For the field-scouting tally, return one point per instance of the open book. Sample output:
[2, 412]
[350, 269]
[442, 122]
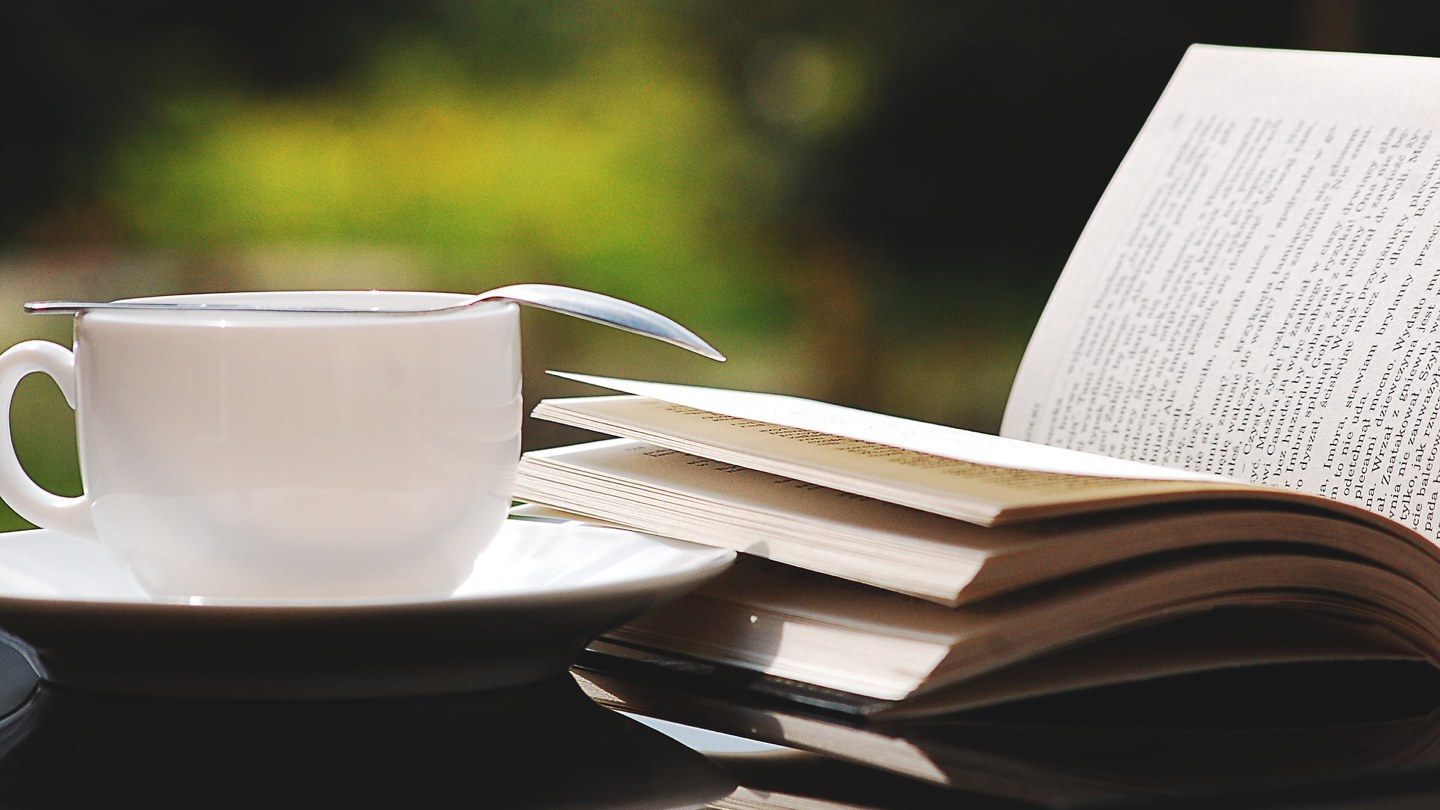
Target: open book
[881, 580]
[1221, 447]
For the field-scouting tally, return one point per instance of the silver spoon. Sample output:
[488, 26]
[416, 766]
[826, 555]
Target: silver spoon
[591, 306]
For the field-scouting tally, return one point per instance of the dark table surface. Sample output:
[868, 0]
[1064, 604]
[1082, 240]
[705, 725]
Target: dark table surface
[1304, 737]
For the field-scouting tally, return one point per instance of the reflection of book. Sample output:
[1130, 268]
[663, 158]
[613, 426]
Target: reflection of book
[1232, 401]
[1209, 735]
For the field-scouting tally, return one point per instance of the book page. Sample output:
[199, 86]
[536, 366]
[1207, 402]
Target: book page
[948, 484]
[764, 412]
[654, 489]
[1256, 294]
[674, 494]
[794, 623]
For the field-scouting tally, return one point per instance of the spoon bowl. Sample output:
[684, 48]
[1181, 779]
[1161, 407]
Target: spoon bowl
[591, 306]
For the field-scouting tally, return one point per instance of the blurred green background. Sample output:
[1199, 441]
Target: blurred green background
[865, 202]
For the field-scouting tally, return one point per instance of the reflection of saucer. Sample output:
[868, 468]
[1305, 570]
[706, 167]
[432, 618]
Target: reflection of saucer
[543, 745]
[539, 593]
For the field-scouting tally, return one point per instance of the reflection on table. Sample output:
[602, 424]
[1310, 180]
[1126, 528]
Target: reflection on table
[1347, 736]
[1283, 736]
[541, 746]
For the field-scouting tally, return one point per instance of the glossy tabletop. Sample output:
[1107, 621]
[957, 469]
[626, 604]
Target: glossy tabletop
[551, 745]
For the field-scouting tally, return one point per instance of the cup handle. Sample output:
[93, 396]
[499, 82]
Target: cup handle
[29, 500]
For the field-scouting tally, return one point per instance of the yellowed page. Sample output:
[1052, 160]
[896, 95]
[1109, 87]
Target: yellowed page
[795, 624]
[774, 411]
[667, 492]
[1256, 293]
[949, 484]
[655, 489]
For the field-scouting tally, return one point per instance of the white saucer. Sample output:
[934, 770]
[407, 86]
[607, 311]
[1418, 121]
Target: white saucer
[538, 594]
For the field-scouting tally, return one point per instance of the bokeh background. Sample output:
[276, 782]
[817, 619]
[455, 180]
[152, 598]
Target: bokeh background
[865, 202]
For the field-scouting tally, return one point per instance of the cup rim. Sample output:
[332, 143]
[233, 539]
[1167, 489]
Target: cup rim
[357, 298]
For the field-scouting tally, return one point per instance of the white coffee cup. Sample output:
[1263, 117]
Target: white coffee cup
[283, 455]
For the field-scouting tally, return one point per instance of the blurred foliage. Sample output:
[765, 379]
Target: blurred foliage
[632, 176]
[863, 202]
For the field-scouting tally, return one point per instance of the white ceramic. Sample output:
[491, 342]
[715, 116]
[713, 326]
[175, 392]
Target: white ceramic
[255, 454]
[533, 599]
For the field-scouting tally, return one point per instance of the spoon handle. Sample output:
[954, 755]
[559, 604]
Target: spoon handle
[604, 309]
